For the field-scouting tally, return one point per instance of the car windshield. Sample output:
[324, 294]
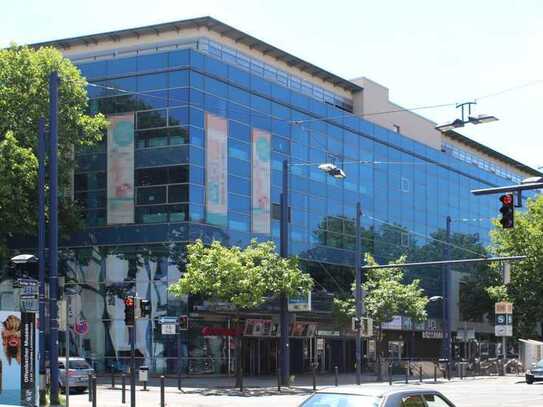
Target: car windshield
[539, 364]
[79, 364]
[341, 400]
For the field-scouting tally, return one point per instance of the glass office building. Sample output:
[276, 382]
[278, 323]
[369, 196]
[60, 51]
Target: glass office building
[198, 133]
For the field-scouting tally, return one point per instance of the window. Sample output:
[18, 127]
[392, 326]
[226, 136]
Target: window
[413, 401]
[405, 184]
[433, 400]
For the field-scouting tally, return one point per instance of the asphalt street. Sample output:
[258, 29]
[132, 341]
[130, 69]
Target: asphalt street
[509, 391]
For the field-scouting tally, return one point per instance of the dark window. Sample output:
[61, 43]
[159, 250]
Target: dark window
[178, 193]
[151, 195]
[152, 118]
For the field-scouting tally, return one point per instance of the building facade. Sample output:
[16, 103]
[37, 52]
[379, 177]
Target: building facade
[201, 118]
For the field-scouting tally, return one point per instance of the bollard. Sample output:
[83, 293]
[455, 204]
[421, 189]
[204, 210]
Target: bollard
[112, 379]
[123, 393]
[179, 379]
[241, 379]
[336, 375]
[407, 373]
[314, 377]
[162, 395]
[94, 395]
[448, 371]
[420, 374]
[278, 380]
[435, 373]
[90, 387]
[144, 385]
[390, 374]
[461, 370]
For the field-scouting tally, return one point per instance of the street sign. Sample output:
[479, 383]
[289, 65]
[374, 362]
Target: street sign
[503, 330]
[81, 327]
[501, 319]
[299, 303]
[503, 308]
[168, 329]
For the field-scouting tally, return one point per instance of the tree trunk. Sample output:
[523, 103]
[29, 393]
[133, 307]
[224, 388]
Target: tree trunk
[238, 353]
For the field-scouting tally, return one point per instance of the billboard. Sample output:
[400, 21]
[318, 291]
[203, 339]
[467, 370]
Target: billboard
[120, 169]
[216, 170]
[261, 182]
[18, 359]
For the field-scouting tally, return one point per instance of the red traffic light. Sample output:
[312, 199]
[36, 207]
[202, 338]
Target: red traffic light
[507, 199]
[129, 301]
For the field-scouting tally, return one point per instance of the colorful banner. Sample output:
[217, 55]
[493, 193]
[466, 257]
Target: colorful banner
[216, 170]
[261, 176]
[120, 169]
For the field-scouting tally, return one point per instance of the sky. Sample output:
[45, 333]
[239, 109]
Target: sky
[426, 52]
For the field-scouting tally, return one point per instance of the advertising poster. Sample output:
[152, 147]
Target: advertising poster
[261, 177]
[11, 357]
[120, 169]
[216, 170]
[28, 358]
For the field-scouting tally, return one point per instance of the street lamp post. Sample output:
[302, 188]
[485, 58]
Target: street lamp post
[358, 294]
[335, 172]
[446, 345]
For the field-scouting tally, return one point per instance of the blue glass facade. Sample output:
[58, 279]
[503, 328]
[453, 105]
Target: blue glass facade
[407, 190]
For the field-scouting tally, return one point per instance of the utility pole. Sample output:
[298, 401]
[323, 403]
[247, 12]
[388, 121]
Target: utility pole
[53, 235]
[41, 252]
[446, 297]
[284, 317]
[358, 294]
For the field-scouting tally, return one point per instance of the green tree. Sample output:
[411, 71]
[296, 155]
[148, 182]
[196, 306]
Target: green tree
[24, 98]
[241, 277]
[526, 288]
[386, 295]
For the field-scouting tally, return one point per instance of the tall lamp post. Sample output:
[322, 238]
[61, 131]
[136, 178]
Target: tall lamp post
[446, 344]
[358, 295]
[335, 172]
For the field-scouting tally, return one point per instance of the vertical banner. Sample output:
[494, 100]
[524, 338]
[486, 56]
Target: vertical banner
[216, 170]
[120, 169]
[28, 359]
[11, 356]
[261, 177]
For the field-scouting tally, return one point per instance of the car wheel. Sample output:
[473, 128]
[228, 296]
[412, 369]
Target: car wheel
[529, 379]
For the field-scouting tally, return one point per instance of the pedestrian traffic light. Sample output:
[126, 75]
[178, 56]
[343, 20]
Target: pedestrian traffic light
[508, 211]
[183, 322]
[145, 308]
[129, 314]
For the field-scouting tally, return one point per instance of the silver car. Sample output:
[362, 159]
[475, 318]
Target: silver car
[368, 396]
[78, 374]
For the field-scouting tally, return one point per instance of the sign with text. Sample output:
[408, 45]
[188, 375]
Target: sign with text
[300, 303]
[261, 182]
[216, 170]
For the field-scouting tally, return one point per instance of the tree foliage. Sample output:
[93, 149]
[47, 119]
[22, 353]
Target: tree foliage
[526, 288]
[386, 295]
[242, 277]
[24, 98]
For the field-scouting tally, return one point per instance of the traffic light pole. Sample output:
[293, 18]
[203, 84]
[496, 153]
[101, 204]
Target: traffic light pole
[132, 335]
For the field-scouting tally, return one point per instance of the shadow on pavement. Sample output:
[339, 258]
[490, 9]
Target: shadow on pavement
[249, 392]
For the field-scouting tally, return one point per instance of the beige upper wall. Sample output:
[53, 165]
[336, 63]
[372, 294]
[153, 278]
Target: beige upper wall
[194, 33]
[374, 98]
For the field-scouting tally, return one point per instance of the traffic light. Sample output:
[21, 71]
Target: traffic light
[508, 211]
[183, 322]
[129, 311]
[145, 308]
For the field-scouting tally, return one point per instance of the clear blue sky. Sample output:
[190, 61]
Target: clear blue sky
[425, 51]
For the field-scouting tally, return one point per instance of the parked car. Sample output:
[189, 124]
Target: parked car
[367, 396]
[535, 373]
[78, 374]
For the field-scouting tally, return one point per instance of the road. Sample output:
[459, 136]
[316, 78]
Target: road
[481, 392]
